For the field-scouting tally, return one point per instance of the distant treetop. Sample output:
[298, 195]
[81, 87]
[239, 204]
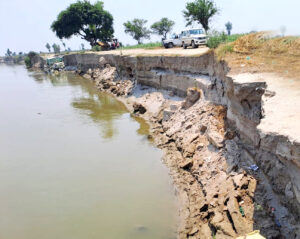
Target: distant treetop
[137, 29]
[163, 27]
[228, 26]
[200, 11]
[90, 21]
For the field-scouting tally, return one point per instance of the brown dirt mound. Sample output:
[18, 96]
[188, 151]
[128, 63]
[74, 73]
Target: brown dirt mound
[262, 52]
[248, 43]
[263, 42]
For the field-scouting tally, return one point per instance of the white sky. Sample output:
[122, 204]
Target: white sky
[25, 24]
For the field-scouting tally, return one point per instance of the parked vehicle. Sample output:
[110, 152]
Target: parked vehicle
[111, 45]
[174, 40]
[53, 60]
[114, 44]
[193, 38]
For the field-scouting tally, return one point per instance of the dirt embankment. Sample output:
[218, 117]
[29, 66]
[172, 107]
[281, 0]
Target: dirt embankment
[191, 134]
[221, 196]
[263, 52]
[231, 177]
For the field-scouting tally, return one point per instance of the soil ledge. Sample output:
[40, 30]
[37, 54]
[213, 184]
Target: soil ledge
[231, 176]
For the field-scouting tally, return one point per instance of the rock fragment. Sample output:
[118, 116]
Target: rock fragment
[215, 139]
[186, 164]
[193, 95]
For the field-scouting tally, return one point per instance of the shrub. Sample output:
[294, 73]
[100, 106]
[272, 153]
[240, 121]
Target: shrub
[217, 38]
[96, 48]
[234, 37]
[32, 54]
[27, 62]
[28, 58]
[223, 49]
[228, 48]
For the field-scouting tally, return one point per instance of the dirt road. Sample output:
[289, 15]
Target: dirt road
[160, 51]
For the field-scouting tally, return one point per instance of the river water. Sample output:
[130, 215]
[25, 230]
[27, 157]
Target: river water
[75, 165]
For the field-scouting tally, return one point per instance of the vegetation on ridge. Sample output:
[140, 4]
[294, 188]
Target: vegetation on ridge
[263, 52]
[89, 21]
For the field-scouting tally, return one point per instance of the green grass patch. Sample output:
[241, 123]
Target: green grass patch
[223, 49]
[218, 38]
[151, 45]
[96, 48]
[233, 37]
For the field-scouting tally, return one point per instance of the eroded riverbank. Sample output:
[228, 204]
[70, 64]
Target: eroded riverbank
[75, 164]
[259, 170]
[217, 197]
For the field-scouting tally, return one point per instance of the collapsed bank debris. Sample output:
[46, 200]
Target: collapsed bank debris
[199, 149]
[209, 141]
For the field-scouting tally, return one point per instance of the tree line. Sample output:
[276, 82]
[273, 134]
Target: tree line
[93, 23]
[56, 47]
[9, 53]
[13, 56]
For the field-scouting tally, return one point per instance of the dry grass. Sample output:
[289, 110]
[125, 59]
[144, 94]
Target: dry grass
[260, 52]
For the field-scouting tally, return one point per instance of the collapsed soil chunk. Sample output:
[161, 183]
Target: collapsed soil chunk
[193, 95]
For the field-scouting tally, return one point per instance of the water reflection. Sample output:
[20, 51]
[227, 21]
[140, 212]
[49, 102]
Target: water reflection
[144, 127]
[102, 108]
[61, 179]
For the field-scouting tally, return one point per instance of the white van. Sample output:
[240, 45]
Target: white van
[174, 40]
[193, 37]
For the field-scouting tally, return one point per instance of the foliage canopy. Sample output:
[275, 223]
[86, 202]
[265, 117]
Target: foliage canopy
[136, 28]
[163, 27]
[56, 48]
[200, 11]
[90, 21]
[228, 26]
[8, 52]
[48, 47]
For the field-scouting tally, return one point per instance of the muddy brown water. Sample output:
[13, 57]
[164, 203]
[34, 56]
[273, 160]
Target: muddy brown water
[75, 165]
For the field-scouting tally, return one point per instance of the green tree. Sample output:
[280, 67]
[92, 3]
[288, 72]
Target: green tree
[228, 26]
[90, 21]
[56, 48]
[136, 28]
[163, 27]
[28, 58]
[48, 47]
[8, 52]
[200, 11]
